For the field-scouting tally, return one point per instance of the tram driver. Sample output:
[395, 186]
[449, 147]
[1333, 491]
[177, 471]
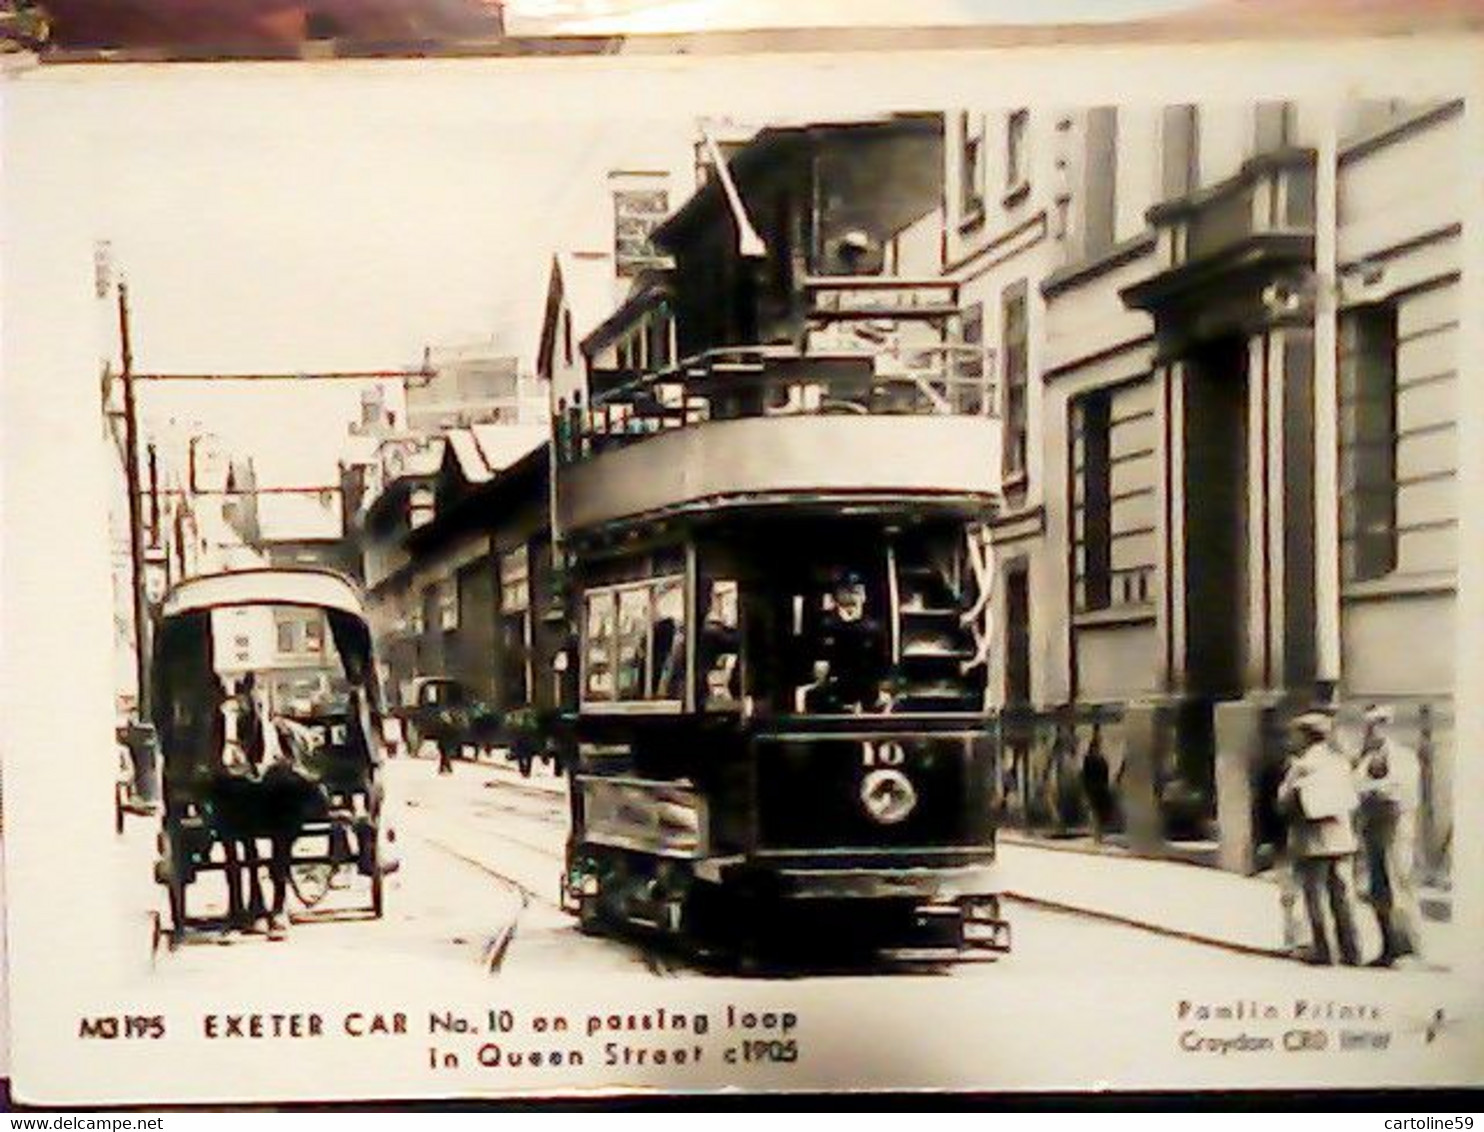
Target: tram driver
[850, 668]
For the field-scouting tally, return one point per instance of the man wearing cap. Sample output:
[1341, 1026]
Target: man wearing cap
[1318, 795]
[853, 647]
[1388, 777]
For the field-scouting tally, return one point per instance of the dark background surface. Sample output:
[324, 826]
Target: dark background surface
[117, 24]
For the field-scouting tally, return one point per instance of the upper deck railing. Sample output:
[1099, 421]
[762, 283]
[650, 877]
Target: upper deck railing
[856, 378]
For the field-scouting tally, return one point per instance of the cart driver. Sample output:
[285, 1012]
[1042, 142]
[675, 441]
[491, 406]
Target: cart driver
[852, 650]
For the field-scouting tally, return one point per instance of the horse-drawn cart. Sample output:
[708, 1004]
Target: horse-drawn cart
[267, 713]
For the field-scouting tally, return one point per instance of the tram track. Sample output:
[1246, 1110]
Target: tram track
[504, 781]
[553, 818]
[528, 846]
[489, 818]
[497, 948]
[525, 789]
[492, 827]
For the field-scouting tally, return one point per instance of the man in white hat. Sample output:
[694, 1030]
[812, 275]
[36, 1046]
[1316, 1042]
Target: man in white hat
[1388, 779]
[1318, 795]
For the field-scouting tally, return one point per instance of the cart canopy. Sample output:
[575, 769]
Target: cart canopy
[320, 589]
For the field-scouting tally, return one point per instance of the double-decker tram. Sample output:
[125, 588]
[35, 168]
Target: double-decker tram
[778, 677]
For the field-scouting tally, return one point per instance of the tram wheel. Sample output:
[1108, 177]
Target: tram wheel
[589, 916]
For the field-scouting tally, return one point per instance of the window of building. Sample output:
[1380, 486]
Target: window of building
[636, 214]
[314, 635]
[421, 506]
[1100, 174]
[1017, 167]
[515, 626]
[1179, 151]
[634, 643]
[567, 336]
[971, 168]
[1015, 350]
[657, 339]
[448, 606]
[970, 367]
[515, 580]
[1092, 480]
[1272, 126]
[1367, 116]
[515, 660]
[1368, 443]
[1017, 633]
[287, 641]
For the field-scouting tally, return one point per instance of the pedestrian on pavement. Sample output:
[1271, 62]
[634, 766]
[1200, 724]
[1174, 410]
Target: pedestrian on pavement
[1388, 780]
[1097, 785]
[1318, 796]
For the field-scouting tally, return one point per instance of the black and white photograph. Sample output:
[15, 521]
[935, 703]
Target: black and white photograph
[535, 578]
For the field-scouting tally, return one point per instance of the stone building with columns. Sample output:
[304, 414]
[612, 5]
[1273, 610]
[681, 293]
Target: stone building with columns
[1224, 338]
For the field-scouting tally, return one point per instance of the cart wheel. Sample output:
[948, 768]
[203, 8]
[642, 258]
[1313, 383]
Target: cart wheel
[378, 874]
[177, 891]
[171, 872]
[312, 881]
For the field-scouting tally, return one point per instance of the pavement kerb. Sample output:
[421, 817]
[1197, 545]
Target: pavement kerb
[1144, 925]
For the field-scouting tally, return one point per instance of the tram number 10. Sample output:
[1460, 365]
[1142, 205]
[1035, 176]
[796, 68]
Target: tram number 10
[888, 753]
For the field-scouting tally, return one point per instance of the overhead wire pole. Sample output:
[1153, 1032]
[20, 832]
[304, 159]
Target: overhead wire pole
[136, 526]
[139, 586]
[331, 375]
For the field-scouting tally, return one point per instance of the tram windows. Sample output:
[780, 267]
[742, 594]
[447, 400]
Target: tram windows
[634, 644]
[597, 683]
[719, 647]
[669, 640]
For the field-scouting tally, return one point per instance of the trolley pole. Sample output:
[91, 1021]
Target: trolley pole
[136, 523]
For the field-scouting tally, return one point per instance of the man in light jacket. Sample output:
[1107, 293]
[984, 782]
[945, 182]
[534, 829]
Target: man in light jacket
[1388, 778]
[1318, 796]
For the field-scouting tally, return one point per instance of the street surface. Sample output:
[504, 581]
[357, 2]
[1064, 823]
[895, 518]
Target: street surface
[481, 853]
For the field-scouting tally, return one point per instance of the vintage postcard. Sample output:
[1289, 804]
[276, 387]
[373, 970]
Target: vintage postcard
[942, 568]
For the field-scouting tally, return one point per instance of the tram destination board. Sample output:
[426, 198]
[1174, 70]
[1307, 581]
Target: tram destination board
[924, 567]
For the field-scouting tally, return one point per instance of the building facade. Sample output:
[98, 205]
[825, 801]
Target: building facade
[457, 564]
[1223, 338]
